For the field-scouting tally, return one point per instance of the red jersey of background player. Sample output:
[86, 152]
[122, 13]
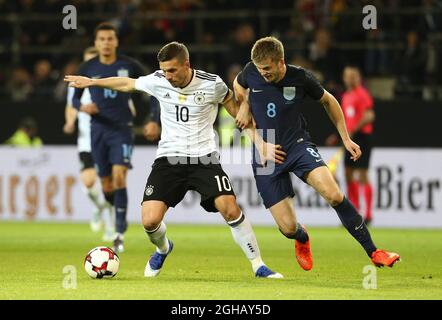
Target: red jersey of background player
[354, 103]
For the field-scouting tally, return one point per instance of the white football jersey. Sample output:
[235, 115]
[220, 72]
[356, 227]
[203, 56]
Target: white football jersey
[187, 114]
[84, 121]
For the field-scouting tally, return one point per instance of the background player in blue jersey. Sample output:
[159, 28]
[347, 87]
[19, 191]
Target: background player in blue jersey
[88, 174]
[112, 122]
[273, 93]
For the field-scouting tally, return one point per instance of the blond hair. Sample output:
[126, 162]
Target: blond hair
[268, 47]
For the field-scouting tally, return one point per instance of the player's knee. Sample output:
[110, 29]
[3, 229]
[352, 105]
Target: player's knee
[363, 178]
[149, 221]
[88, 178]
[107, 188]
[150, 218]
[106, 185]
[119, 181]
[89, 181]
[231, 212]
[349, 178]
[149, 224]
[334, 197]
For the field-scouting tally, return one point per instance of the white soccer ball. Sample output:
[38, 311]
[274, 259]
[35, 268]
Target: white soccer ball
[101, 262]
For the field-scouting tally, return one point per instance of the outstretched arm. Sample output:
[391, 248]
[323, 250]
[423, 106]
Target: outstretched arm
[115, 83]
[334, 111]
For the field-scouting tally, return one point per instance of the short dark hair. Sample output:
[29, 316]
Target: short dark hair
[173, 50]
[105, 26]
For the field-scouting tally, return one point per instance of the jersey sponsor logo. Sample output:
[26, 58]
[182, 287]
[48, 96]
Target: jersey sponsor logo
[199, 98]
[149, 190]
[289, 93]
[123, 73]
[256, 90]
[167, 96]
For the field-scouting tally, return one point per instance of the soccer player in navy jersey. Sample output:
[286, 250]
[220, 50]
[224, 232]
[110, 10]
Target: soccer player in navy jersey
[273, 93]
[88, 174]
[112, 122]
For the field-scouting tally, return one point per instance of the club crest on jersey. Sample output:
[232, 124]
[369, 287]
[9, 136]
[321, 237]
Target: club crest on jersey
[149, 190]
[199, 98]
[289, 93]
[123, 73]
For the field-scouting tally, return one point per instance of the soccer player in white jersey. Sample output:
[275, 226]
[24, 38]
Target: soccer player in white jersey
[186, 157]
[88, 175]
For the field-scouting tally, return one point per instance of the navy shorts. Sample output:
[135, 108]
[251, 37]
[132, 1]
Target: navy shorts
[301, 158]
[111, 147]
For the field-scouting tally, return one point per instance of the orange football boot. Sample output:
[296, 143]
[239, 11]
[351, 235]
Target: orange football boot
[304, 254]
[381, 258]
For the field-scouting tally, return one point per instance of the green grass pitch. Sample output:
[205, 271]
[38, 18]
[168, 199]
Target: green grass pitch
[207, 264]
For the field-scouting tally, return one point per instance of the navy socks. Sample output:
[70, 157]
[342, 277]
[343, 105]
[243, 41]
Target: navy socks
[120, 203]
[355, 224]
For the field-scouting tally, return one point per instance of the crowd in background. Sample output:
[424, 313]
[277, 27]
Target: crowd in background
[319, 35]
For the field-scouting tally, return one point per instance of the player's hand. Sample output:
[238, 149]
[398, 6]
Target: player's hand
[151, 131]
[78, 81]
[243, 118]
[332, 140]
[90, 108]
[271, 152]
[353, 148]
[69, 128]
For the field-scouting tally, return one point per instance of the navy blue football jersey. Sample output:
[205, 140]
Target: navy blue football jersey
[278, 105]
[113, 106]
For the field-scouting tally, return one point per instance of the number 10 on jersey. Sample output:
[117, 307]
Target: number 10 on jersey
[223, 182]
[182, 113]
